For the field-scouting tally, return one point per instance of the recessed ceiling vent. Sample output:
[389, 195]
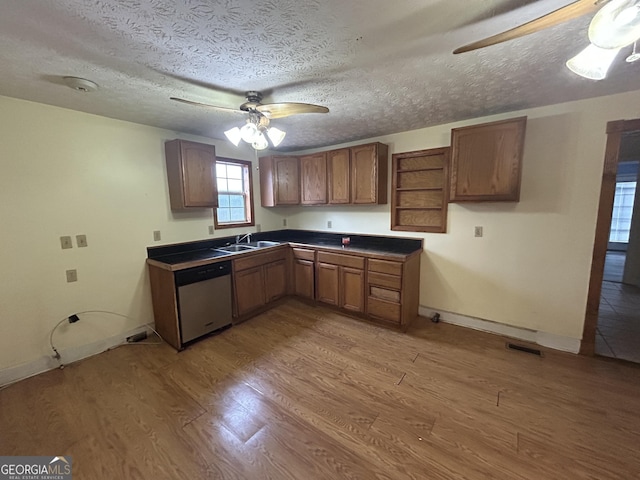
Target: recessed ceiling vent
[81, 84]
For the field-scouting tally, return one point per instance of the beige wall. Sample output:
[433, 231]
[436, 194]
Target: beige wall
[69, 173]
[531, 268]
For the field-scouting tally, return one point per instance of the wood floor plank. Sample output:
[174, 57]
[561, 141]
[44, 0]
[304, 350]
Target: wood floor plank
[303, 392]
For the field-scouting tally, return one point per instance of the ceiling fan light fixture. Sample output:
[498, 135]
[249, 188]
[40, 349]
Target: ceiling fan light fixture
[276, 136]
[248, 132]
[593, 62]
[234, 135]
[616, 25]
[260, 142]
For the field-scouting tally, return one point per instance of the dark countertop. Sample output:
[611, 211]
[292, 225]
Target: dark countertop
[191, 254]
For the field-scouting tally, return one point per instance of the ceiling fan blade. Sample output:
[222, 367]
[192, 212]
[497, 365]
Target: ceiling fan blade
[563, 14]
[198, 104]
[281, 110]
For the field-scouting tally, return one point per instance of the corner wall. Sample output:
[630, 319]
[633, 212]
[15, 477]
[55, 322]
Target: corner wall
[69, 173]
[531, 269]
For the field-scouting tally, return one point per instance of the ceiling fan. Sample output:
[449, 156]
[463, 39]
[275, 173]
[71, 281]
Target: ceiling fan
[257, 129]
[616, 25]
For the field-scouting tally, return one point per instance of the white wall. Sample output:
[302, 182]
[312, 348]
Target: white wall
[69, 173]
[531, 269]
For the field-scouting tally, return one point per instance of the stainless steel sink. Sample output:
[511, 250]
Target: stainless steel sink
[236, 248]
[263, 243]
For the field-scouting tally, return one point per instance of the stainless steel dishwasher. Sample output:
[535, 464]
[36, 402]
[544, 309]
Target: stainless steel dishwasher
[204, 299]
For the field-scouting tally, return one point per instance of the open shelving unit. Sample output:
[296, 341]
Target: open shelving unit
[420, 184]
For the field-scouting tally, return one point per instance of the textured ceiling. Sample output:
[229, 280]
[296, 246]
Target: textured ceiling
[380, 66]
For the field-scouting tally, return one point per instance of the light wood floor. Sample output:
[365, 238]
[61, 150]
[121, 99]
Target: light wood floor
[304, 393]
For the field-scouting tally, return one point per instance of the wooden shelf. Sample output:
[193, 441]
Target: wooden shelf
[420, 191]
[419, 169]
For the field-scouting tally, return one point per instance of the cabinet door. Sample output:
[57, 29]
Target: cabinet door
[369, 171]
[303, 277]
[191, 174]
[339, 175]
[328, 283]
[352, 289]
[249, 289]
[313, 179]
[275, 276]
[287, 180]
[486, 161]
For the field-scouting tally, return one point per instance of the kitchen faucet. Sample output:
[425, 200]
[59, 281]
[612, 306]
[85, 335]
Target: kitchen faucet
[240, 238]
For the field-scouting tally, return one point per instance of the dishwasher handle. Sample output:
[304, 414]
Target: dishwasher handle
[205, 272]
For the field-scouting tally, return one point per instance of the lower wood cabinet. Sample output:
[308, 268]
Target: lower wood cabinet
[340, 280]
[275, 280]
[303, 272]
[249, 290]
[393, 290]
[258, 280]
[386, 290]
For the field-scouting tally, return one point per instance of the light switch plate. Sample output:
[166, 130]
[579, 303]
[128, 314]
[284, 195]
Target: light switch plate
[477, 231]
[157, 236]
[258, 227]
[329, 224]
[210, 229]
[81, 241]
[65, 242]
[284, 222]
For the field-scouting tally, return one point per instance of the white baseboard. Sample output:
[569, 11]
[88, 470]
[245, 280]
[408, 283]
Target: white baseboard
[67, 356]
[557, 342]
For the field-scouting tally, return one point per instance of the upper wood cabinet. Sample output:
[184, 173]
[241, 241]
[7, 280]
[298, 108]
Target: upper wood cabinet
[279, 181]
[191, 172]
[313, 179]
[486, 161]
[355, 175]
[339, 175]
[369, 167]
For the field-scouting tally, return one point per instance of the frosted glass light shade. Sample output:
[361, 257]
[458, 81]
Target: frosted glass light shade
[275, 135]
[593, 62]
[234, 135]
[260, 142]
[248, 132]
[616, 25]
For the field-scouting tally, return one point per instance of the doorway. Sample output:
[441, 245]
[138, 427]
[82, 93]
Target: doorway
[612, 320]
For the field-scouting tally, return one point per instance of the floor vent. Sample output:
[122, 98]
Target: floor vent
[522, 348]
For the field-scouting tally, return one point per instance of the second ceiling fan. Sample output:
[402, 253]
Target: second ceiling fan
[616, 25]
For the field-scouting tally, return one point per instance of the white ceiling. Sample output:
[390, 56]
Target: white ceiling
[380, 66]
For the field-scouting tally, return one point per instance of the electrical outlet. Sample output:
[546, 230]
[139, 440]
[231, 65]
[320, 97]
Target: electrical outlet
[72, 276]
[284, 222]
[156, 236]
[65, 242]
[329, 224]
[81, 241]
[210, 229]
[258, 227]
[477, 231]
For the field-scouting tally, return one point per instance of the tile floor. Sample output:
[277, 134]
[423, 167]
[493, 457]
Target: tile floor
[618, 333]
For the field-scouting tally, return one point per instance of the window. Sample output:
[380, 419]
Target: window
[622, 212]
[235, 193]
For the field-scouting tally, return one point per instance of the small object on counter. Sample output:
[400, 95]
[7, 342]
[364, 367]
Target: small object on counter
[346, 241]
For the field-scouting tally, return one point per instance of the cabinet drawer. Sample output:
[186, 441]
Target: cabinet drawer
[385, 266]
[304, 254]
[384, 294]
[339, 259]
[259, 259]
[384, 309]
[385, 280]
